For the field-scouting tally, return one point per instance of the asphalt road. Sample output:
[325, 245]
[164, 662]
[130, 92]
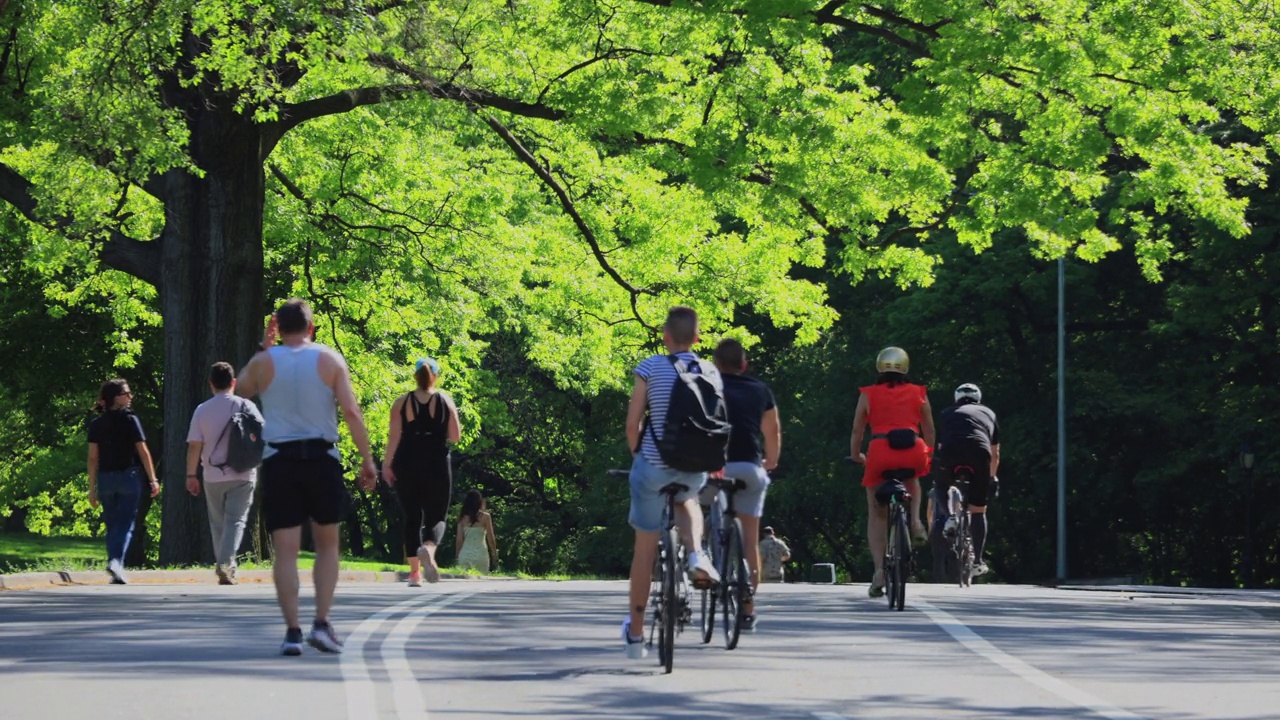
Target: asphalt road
[508, 649]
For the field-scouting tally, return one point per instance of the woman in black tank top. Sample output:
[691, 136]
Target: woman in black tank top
[424, 424]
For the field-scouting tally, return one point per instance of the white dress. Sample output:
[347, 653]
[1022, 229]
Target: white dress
[474, 554]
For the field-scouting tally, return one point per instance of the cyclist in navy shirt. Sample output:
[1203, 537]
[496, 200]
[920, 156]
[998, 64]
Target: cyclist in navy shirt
[754, 445]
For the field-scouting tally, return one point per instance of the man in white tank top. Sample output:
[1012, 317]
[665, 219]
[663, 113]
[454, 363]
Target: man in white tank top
[302, 385]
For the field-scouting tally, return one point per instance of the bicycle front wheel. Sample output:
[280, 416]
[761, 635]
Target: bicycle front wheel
[667, 626]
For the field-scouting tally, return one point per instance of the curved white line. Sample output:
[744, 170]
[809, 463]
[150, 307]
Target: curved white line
[980, 646]
[404, 686]
[362, 699]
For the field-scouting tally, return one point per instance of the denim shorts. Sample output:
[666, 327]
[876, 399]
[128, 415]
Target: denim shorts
[647, 500]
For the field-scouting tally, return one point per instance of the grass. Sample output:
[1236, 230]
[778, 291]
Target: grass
[22, 552]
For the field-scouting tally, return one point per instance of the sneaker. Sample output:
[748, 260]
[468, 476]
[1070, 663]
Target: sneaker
[635, 646]
[949, 527]
[877, 585]
[749, 624]
[700, 563]
[292, 645]
[115, 569]
[226, 574]
[430, 572]
[415, 581]
[323, 638]
[980, 569]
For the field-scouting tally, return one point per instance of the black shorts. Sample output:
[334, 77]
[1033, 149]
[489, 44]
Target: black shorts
[294, 490]
[979, 486]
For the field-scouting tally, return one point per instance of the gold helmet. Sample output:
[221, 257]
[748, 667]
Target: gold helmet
[893, 359]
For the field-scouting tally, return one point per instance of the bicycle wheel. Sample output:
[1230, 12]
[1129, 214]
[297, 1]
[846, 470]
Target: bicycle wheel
[667, 626]
[735, 581]
[891, 558]
[964, 541]
[903, 553]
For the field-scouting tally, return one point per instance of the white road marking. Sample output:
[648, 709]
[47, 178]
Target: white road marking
[362, 699]
[829, 716]
[404, 686]
[980, 646]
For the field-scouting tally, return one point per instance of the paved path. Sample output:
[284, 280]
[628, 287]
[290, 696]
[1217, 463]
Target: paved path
[494, 649]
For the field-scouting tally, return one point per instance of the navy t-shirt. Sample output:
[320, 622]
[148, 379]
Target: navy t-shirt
[117, 433]
[747, 400]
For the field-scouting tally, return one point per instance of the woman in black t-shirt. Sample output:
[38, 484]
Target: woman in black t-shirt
[117, 456]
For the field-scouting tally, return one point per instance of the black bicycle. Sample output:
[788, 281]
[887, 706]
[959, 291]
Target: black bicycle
[672, 593]
[961, 538]
[898, 562]
[725, 542]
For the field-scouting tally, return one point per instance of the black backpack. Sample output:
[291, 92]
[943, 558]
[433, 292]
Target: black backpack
[695, 437]
[244, 440]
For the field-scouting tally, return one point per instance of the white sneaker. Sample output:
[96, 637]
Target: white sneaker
[636, 649]
[980, 569]
[700, 563]
[949, 527]
[323, 638]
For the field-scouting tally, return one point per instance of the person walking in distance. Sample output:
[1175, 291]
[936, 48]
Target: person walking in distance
[228, 492]
[118, 456]
[424, 423]
[302, 384]
[646, 418]
[773, 554]
[755, 443]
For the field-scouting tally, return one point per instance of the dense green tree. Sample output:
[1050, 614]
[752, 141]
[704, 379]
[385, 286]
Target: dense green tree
[436, 175]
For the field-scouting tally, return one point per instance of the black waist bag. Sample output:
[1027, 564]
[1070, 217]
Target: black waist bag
[901, 439]
[302, 449]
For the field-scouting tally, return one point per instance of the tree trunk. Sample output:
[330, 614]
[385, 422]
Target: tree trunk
[211, 297]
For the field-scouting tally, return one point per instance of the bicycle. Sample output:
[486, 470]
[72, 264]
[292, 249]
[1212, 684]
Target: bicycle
[898, 561]
[725, 542]
[672, 609]
[961, 541]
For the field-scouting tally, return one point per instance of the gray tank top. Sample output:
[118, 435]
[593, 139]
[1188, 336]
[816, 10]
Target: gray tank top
[297, 405]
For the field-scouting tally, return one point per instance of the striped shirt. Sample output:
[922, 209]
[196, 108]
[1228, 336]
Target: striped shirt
[661, 376]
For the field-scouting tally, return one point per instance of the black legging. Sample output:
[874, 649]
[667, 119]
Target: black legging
[425, 498]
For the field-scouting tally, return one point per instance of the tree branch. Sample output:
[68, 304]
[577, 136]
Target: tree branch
[119, 252]
[571, 210]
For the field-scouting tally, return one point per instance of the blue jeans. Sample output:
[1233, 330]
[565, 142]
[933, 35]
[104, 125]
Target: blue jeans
[119, 493]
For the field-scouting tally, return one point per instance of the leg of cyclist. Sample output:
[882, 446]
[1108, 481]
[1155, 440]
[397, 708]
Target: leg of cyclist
[748, 503]
[978, 491]
[917, 525]
[877, 526]
[689, 519]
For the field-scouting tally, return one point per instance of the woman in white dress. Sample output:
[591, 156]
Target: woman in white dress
[476, 543]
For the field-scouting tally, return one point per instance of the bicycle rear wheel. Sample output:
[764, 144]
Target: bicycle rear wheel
[710, 596]
[891, 558]
[902, 561]
[667, 614]
[735, 582]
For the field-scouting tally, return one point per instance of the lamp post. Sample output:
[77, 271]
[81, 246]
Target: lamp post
[1246, 463]
[1062, 420]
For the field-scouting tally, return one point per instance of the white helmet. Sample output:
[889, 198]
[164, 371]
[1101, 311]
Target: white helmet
[968, 392]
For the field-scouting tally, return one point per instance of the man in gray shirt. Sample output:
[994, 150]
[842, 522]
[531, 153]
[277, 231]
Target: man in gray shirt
[228, 493]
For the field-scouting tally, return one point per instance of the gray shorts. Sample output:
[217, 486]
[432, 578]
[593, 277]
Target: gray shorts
[748, 501]
[647, 500]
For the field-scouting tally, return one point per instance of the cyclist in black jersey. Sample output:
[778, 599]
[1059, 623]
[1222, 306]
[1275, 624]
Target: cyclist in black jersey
[968, 434]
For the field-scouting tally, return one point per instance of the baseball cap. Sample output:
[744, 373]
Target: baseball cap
[429, 362]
